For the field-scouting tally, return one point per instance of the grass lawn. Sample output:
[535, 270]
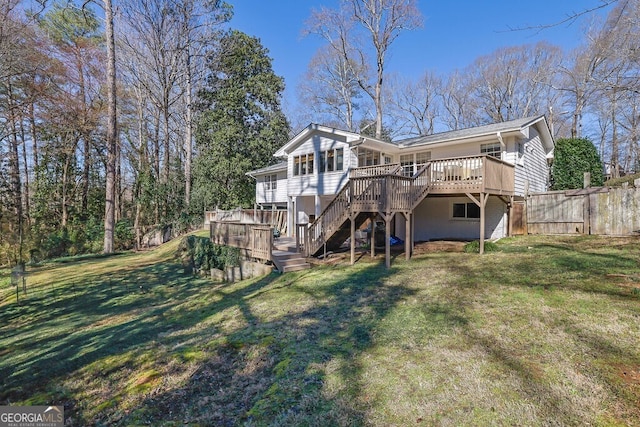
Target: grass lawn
[546, 331]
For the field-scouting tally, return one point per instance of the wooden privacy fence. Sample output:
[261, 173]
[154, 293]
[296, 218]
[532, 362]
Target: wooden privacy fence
[255, 239]
[601, 211]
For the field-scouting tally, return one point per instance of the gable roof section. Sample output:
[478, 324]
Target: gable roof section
[348, 137]
[278, 167]
[520, 126]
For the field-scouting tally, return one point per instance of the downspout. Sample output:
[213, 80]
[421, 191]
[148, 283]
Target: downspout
[499, 135]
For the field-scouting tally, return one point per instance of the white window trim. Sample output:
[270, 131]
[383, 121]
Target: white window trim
[333, 158]
[465, 218]
[271, 182]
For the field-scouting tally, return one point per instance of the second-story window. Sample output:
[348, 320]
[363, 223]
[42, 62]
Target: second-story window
[303, 165]
[331, 160]
[493, 150]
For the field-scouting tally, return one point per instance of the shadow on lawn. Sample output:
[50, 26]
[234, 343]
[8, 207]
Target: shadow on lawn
[56, 331]
[264, 371]
[274, 372]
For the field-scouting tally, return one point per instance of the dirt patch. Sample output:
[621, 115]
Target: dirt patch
[630, 375]
[439, 246]
[343, 256]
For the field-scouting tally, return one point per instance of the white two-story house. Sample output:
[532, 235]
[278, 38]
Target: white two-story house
[451, 185]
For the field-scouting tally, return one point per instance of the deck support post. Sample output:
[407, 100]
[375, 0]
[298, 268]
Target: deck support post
[387, 237]
[373, 236]
[352, 219]
[413, 231]
[481, 204]
[407, 235]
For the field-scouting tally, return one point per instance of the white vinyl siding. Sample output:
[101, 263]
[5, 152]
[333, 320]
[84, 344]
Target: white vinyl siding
[433, 220]
[271, 188]
[532, 172]
[325, 183]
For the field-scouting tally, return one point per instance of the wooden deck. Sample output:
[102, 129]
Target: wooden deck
[384, 191]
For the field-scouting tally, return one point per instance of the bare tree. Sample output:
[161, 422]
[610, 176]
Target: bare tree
[330, 88]
[413, 106]
[515, 82]
[459, 109]
[379, 21]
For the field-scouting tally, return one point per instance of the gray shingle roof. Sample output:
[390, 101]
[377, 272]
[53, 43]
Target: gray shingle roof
[469, 132]
[273, 168]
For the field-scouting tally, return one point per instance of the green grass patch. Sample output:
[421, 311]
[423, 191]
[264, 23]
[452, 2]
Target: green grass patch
[543, 330]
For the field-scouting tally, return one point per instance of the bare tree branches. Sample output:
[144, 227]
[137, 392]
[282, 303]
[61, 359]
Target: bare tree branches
[568, 20]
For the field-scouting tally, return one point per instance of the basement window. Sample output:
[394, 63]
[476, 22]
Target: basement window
[465, 211]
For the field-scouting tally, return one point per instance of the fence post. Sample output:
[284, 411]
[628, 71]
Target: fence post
[587, 180]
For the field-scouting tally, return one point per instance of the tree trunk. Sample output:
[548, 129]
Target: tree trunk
[156, 159]
[14, 160]
[65, 181]
[25, 165]
[188, 143]
[85, 137]
[615, 166]
[34, 136]
[378, 102]
[109, 214]
[141, 162]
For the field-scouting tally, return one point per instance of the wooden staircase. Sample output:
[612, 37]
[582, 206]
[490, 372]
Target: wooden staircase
[370, 190]
[286, 257]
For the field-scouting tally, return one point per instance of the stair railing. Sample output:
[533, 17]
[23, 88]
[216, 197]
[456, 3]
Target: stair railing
[368, 189]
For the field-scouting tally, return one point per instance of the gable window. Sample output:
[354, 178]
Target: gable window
[303, 165]
[271, 182]
[322, 161]
[296, 165]
[339, 159]
[493, 150]
[466, 211]
[331, 160]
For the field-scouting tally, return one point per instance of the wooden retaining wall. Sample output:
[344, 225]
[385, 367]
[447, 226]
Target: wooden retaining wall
[601, 211]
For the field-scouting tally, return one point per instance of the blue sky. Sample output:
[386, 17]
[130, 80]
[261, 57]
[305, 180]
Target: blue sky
[454, 32]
